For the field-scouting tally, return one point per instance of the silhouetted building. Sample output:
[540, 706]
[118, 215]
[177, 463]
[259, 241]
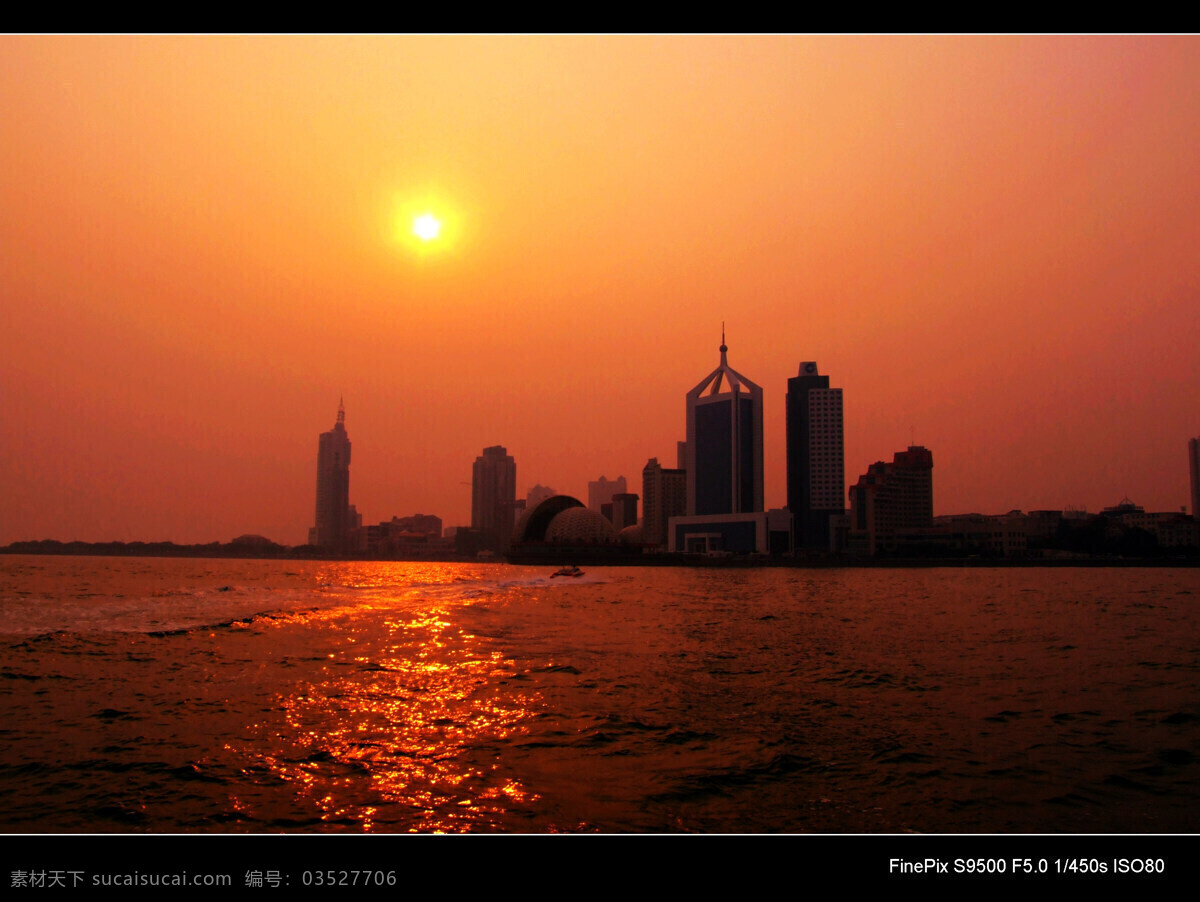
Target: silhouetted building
[632, 537]
[1122, 508]
[724, 467]
[1171, 529]
[426, 524]
[779, 532]
[493, 496]
[601, 491]
[664, 495]
[724, 443]
[624, 510]
[816, 468]
[332, 529]
[1002, 535]
[1042, 525]
[413, 536]
[356, 536]
[537, 495]
[1194, 471]
[893, 497]
[560, 529]
[469, 541]
[564, 522]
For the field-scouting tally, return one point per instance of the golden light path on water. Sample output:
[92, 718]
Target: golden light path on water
[407, 702]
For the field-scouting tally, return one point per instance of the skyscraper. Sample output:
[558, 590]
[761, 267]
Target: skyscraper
[816, 470]
[332, 528]
[664, 495]
[493, 496]
[724, 443]
[1194, 469]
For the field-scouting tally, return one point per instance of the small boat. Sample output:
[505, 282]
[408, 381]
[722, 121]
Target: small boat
[567, 571]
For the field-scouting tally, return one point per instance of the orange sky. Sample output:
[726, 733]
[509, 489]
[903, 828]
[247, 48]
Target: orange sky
[989, 243]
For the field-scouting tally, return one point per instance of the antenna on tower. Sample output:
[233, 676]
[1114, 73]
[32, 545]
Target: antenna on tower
[341, 410]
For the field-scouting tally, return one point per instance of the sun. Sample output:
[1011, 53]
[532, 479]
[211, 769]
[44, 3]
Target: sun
[426, 224]
[426, 227]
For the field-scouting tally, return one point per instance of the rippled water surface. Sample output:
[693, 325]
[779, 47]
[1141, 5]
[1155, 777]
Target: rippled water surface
[180, 695]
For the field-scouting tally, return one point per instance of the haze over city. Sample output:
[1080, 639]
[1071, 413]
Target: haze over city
[987, 242]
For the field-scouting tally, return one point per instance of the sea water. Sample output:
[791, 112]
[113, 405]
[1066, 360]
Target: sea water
[188, 695]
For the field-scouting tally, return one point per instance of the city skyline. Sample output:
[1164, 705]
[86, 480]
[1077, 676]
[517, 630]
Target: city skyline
[987, 241]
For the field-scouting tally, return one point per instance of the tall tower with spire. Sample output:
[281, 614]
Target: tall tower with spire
[724, 443]
[333, 487]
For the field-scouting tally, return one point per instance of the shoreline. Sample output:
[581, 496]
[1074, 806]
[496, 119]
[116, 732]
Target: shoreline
[590, 557]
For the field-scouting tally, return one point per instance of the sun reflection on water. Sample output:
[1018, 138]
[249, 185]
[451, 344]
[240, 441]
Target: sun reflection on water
[400, 726]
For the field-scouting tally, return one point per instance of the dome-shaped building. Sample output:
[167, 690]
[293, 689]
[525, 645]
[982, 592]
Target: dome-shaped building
[632, 536]
[534, 522]
[580, 526]
[559, 529]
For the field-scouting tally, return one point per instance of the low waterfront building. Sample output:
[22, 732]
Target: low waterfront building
[892, 499]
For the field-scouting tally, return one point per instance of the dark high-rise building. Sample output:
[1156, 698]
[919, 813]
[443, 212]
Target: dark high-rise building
[624, 510]
[816, 470]
[1194, 470]
[724, 443]
[333, 524]
[664, 495]
[493, 496]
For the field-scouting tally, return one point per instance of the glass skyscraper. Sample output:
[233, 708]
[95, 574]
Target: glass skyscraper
[724, 443]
